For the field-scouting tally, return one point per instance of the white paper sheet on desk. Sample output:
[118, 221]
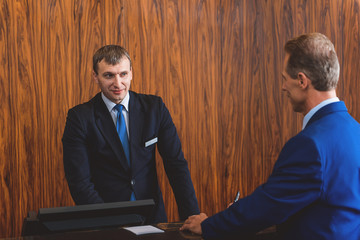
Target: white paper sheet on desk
[146, 229]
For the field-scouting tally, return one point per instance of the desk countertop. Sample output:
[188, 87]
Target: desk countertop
[171, 232]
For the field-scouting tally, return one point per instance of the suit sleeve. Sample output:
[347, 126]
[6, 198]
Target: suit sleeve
[176, 166]
[76, 161]
[295, 183]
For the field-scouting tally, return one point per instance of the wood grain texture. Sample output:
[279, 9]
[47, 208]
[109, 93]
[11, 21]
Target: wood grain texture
[216, 64]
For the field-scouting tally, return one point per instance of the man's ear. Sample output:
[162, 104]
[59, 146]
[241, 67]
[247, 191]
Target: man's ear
[303, 80]
[95, 76]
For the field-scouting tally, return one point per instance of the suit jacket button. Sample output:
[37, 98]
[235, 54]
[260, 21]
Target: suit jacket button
[132, 182]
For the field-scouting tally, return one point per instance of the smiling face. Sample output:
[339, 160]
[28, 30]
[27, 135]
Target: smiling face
[114, 80]
[294, 89]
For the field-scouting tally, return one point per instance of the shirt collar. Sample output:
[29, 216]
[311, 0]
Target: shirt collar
[110, 105]
[315, 109]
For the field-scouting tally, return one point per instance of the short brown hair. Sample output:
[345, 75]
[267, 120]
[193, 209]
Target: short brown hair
[112, 55]
[315, 56]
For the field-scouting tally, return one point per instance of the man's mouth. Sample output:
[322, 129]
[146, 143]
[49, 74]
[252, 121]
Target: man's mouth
[117, 91]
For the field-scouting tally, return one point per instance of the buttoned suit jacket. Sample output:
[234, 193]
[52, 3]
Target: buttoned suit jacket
[314, 189]
[96, 167]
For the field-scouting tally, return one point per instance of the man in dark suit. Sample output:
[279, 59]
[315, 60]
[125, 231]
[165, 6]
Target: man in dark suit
[314, 189]
[99, 166]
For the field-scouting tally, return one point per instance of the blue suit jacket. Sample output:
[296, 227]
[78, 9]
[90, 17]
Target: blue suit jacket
[314, 189]
[95, 165]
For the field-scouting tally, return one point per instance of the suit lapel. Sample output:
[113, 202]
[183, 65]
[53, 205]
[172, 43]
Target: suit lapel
[106, 125]
[136, 125]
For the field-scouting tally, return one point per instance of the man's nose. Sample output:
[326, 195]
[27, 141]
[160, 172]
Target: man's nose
[117, 80]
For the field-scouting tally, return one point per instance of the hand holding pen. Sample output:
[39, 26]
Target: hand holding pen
[236, 198]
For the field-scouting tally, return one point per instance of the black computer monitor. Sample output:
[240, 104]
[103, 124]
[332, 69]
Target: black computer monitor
[85, 217]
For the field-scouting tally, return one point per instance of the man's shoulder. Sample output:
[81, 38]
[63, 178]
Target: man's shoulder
[144, 97]
[326, 127]
[87, 107]
[145, 101]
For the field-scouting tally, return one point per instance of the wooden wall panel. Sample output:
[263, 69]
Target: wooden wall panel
[350, 56]
[216, 64]
[179, 51]
[5, 119]
[240, 99]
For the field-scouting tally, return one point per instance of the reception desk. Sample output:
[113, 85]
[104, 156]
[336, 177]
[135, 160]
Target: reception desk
[113, 233]
[106, 221]
[171, 232]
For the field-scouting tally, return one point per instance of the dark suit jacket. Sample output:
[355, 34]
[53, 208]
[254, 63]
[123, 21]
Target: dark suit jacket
[95, 165]
[314, 189]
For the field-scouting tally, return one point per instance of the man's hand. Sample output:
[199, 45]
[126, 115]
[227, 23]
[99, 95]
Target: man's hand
[193, 223]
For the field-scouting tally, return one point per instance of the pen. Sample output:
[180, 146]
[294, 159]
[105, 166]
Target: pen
[237, 196]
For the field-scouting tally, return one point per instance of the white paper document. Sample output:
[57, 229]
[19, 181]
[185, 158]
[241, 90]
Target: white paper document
[146, 229]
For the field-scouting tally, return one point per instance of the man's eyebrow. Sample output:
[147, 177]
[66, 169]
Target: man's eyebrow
[108, 72]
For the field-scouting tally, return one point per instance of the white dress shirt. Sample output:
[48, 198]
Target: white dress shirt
[110, 105]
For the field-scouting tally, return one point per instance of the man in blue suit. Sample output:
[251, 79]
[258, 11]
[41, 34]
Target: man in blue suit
[101, 168]
[314, 189]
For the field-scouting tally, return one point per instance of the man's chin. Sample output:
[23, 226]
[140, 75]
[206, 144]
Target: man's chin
[297, 109]
[116, 99]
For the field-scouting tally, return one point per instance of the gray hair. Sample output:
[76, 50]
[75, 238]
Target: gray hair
[112, 55]
[315, 56]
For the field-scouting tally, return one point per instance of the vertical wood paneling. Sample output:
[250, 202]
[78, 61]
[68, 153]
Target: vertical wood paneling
[5, 119]
[216, 64]
[202, 113]
[350, 57]
[240, 96]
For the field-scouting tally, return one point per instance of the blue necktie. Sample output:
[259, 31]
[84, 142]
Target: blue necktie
[121, 129]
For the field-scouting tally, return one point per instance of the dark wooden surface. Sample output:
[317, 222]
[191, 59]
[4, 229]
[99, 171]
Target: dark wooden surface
[171, 232]
[216, 63]
[112, 234]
